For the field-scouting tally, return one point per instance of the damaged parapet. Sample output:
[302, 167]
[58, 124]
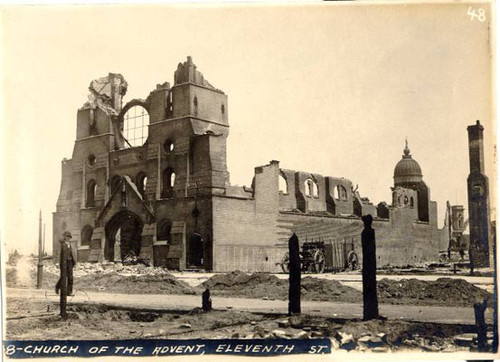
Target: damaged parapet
[187, 73]
[107, 93]
[104, 104]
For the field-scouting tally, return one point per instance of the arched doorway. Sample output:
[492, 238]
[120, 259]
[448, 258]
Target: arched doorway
[195, 251]
[127, 227]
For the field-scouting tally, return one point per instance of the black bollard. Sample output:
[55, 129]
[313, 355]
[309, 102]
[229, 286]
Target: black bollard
[63, 281]
[479, 309]
[206, 301]
[370, 301]
[294, 276]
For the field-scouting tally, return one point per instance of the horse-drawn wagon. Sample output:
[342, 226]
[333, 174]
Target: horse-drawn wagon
[318, 256]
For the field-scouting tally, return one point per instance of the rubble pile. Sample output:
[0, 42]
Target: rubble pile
[115, 278]
[443, 291]
[267, 286]
[133, 284]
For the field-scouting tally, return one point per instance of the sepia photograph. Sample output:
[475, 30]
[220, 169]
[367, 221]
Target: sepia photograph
[249, 179]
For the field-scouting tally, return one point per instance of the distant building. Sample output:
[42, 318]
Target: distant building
[152, 175]
[481, 243]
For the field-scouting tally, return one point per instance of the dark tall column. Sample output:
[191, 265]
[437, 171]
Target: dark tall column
[478, 195]
[206, 301]
[370, 301]
[294, 276]
[479, 309]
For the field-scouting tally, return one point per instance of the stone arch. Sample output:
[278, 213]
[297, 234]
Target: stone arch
[283, 183]
[135, 135]
[130, 226]
[91, 193]
[168, 182]
[163, 230]
[342, 192]
[141, 181]
[195, 251]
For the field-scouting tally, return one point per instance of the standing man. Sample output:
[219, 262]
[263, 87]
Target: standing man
[70, 262]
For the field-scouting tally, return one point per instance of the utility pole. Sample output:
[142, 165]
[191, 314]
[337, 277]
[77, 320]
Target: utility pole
[39, 278]
[43, 243]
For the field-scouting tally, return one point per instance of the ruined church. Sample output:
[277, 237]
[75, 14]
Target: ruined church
[149, 178]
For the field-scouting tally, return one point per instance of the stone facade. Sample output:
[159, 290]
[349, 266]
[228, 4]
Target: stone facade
[168, 199]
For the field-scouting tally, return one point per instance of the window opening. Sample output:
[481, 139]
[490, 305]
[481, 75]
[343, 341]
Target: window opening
[135, 125]
[168, 182]
[141, 182]
[342, 192]
[168, 146]
[283, 185]
[91, 160]
[91, 192]
[315, 189]
[86, 235]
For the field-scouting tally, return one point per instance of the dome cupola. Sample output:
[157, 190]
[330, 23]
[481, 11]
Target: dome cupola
[407, 171]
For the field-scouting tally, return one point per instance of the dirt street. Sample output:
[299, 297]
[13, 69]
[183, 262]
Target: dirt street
[98, 321]
[113, 301]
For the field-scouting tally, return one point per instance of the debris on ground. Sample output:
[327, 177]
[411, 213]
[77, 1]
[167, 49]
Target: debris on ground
[268, 286]
[88, 321]
[141, 279]
[443, 291]
[102, 277]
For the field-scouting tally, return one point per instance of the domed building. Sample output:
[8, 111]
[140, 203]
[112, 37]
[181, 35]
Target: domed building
[407, 172]
[409, 188]
[148, 179]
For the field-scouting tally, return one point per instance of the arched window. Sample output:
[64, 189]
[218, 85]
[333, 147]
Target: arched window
[163, 230]
[135, 125]
[411, 201]
[315, 189]
[311, 188]
[115, 181]
[308, 187]
[91, 192]
[342, 192]
[406, 200]
[336, 192]
[168, 182]
[86, 235]
[283, 184]
[141, 182]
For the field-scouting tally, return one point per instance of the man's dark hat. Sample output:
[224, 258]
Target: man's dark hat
[67, 233]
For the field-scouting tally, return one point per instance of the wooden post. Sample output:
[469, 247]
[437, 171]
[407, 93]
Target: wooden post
[64, 280]
[206, 301]
[39, 276]
[294, 276]
[479, 309]
[370, 299]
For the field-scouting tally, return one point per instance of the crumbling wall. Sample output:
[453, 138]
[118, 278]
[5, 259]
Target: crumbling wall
[399, 242]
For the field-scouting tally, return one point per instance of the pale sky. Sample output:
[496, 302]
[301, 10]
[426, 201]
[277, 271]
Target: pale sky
[332, 89]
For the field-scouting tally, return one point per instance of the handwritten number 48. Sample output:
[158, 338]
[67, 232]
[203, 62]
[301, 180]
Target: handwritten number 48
[478, 14]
